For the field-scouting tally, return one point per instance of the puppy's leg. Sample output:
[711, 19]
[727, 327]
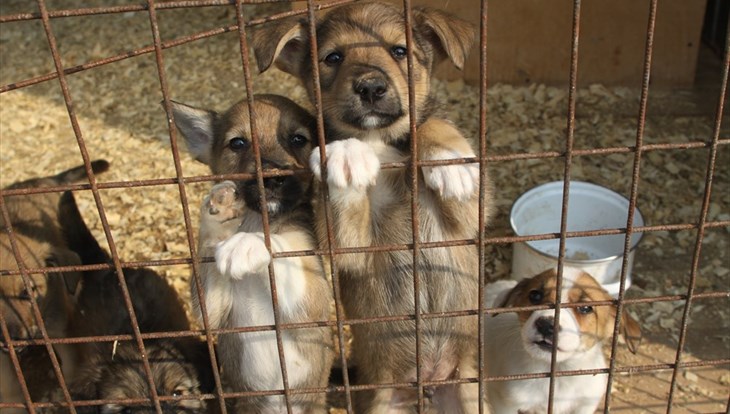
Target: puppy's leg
[219, 220]
[352, 168]
[439, 140]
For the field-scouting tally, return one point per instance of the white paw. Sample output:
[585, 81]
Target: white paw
[457, 181]
[242, 254]
[350, 162]
[222, 203]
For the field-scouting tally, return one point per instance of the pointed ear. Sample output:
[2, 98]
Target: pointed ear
[196, 126]
[631, 331]
[450, 36]
[284, 44]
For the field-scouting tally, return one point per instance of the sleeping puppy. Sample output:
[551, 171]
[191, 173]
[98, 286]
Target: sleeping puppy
[363, 77]
[37, 229]
[180, 366]
[119, 375]
[522, 343]
[237, 290]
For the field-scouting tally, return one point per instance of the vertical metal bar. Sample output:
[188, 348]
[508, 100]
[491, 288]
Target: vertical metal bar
[482, 192]
[100, 207]
[636, 177]
[414, 197]
[339, 311]
[262, 194]
[701, 225]
[566, 195]
[185, 206]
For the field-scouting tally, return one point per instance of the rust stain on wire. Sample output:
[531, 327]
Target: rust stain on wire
[712, 157]
[635, 179]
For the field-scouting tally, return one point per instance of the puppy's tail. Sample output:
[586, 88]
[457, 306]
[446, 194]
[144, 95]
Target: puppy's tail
[77, 234]
[77, 174]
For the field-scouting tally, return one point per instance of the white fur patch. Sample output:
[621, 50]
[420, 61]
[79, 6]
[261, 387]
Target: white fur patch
[242, 254]
[452, 181]
[350, 163]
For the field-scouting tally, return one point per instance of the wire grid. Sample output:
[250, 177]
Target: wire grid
[483, 158]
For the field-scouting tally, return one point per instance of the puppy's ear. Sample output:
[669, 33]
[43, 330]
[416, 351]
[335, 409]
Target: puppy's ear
[196, 126]
[77, 235]
[451, 37]
[508, 297]
[79, 173]
[63, 257]
[284, 44]
[631, 330]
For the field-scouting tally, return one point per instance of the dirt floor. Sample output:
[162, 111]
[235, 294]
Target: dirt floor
[120, 117]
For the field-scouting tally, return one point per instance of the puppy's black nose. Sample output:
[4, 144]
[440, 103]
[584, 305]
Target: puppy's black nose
[371, 89]
[545, 327]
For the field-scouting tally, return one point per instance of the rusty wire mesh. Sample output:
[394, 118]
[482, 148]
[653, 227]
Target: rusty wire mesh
[484, 158]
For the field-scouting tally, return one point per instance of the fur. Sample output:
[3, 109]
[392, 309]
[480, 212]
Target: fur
[114, 371]
[36, 225]
[237, 288]
[521, 343]
[364, 87]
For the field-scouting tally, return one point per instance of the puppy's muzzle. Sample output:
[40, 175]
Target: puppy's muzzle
[545, 327]
[371, 88]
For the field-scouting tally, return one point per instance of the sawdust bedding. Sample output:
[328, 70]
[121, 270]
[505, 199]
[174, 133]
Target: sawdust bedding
[122, 121]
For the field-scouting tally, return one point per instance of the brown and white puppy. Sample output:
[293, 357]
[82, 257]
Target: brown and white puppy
[237, 289]
[522, 342]
[364, 85]
[37, 229]
[180, 366]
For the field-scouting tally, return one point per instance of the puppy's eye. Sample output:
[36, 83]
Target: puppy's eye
[584, 310]
[298, 141]
[238, 144]
[334, 58]
[399, 52]
[179, 392]
[535, 297]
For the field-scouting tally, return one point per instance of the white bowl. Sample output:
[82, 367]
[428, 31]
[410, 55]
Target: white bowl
[590, 207]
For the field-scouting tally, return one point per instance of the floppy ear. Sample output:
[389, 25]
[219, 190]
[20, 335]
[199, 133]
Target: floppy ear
[63, 257]
[450, 36]
[196, 126]
[507, 297]
[631, 330]
[284, 44]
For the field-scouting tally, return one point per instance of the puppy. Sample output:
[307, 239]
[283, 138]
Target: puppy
[119, 375]
[364, 86]
[37, 229]
[237, 290]
[114, 371]
[522, 343]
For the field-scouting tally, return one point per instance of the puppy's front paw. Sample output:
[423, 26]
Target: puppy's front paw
[457, 181]
[242, 254]
[222, 203]
[350, 162]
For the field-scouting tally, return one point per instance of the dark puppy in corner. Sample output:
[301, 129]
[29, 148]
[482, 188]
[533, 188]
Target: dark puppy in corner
[36, 224]
[181, 367]
[363, 74]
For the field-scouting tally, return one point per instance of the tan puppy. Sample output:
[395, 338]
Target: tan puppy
[237, 289]
[363, 76]
[522, 343]
[36, 225]
[114, 371]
